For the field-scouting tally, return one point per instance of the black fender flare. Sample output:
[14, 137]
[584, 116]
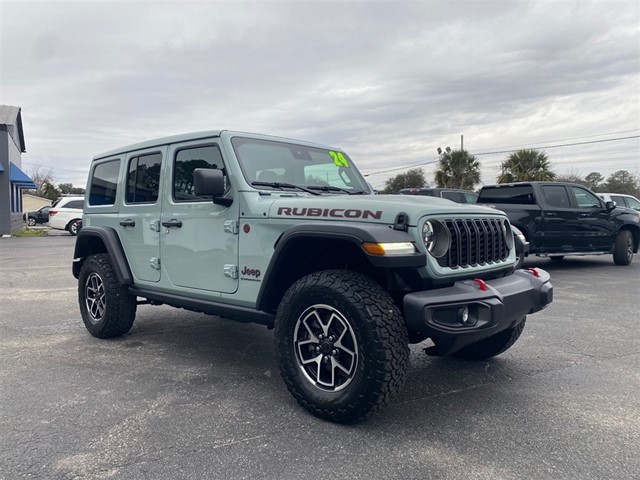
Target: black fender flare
[353, 233]
[92, 240]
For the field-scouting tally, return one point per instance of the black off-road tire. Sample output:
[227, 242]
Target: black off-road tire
[623, 248]
[368, 323]
[492, 346]
[108, 309]
[74, 226]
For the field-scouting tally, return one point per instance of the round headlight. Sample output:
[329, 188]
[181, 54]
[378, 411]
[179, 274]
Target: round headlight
[428, 235]
[436, 238]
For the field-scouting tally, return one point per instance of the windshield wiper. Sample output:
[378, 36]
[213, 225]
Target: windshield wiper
[331, 188]
[283, 185]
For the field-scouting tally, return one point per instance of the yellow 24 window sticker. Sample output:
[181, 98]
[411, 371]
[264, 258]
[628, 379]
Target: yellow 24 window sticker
[339, 159]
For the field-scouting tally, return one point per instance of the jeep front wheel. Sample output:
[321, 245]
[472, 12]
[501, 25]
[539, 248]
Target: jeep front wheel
[342, 345]
[108, 309]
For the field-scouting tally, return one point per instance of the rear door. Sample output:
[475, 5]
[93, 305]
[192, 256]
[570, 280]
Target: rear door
[199, 238]
[139, 218]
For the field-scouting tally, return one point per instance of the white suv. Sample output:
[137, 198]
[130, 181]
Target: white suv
[66, 214]
[622, 200]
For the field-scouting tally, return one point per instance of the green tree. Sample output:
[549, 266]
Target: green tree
[526, 166]
[69, 189]
[50, 191]
[413, 178]
[457, 169]
[594, 180]
[622, 181]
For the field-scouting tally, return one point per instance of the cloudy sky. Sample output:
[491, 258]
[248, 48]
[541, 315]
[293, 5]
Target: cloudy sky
[389, 82]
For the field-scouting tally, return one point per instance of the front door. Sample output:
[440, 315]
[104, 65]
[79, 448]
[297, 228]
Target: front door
[199, 241]
[596, 228]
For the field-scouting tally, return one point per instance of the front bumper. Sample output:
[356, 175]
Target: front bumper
[472, 310]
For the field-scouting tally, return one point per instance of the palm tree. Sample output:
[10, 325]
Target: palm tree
[526, 166]
[457, 169]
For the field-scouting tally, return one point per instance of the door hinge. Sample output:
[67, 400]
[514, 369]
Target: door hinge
[231, 271]
[155, 263]
[231, 226]
[155, 226]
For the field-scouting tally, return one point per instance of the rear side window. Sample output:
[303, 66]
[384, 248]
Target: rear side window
[521, 194]
[186, 161]
[75, 204]
[619, 200]
[556, 196]
[104, 181]
[143, 178]
[470, 197]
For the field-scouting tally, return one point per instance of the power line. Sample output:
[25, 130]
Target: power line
[511, 151]
[54, 168]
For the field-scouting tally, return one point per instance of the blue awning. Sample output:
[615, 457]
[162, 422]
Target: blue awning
[20, 179]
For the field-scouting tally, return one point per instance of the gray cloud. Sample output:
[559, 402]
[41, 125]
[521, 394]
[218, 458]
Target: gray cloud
[389, 82]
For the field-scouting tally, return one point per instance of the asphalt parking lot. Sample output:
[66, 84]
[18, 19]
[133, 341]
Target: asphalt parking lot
[185, 395]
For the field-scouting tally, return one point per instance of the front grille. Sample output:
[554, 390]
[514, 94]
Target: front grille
[475, 242]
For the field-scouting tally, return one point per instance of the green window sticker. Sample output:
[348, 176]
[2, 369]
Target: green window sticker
[339, 159]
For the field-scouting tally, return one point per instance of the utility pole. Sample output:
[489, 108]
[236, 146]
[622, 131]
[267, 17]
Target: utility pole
[462, 142]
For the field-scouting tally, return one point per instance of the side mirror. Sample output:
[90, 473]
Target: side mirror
[610, 205]
[210, 181]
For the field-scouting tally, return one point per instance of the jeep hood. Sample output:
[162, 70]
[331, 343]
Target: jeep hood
[371, 208]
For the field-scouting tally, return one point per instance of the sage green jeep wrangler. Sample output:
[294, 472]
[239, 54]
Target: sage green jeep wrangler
[288, 234]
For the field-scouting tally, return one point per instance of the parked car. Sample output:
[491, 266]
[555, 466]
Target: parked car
[622, 200]
[66, 214]
[559, 219]
[454, 194]
[39, 216]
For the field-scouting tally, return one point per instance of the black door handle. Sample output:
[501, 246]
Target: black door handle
[584, 215]
[551, 214]
[128, 223]
[172, 223]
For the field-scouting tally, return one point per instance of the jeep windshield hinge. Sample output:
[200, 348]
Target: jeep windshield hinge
[231, 226]
[231, 271]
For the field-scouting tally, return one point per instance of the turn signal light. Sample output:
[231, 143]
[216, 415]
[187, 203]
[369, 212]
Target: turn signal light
[389, 249]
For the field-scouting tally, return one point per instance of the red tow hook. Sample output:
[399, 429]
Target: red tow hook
[535, 272]
[481, 283]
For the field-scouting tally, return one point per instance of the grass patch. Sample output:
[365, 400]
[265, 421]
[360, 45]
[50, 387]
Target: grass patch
[31, 232]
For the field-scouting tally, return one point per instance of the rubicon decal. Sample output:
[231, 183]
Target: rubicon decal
[329, 212]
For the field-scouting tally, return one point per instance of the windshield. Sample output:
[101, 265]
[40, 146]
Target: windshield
[275, 164]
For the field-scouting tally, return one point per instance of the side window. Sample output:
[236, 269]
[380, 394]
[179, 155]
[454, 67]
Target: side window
[453, 196]
[619, 200]
[75, 204]
[185, 162]
[104, 181]
[556, 196]
[632, 203]
[143, 178]
[521, 195]
[585, 199]
[470, 197]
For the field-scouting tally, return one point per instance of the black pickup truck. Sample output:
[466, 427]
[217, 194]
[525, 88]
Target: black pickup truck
[559, 219]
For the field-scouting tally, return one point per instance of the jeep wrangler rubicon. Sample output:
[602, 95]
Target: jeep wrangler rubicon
[287, 234]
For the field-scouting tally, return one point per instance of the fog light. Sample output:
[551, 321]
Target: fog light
[463, 315]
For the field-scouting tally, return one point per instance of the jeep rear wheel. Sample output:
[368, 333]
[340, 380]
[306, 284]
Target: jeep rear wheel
[108, 309]
[623, 249]
[342, 345]
[494, 345]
